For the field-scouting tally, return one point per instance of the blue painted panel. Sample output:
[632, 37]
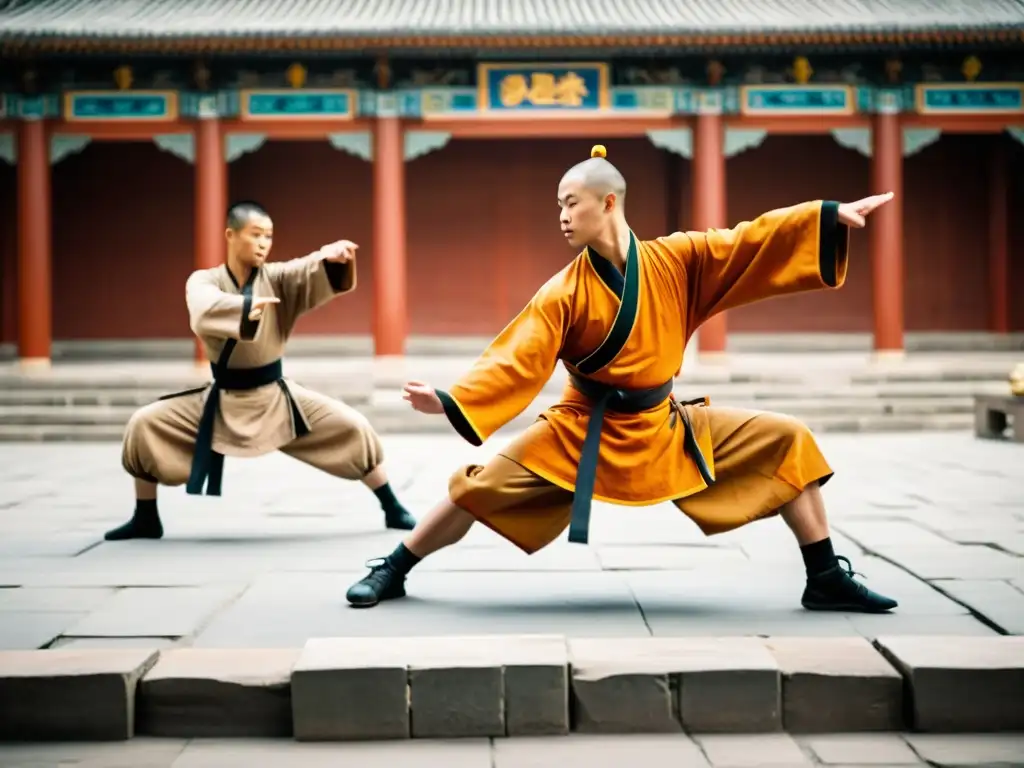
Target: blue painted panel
[806, 100]
[972, 99]
[300, 104]
[120, 106]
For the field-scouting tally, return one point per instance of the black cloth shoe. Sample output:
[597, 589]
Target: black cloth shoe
[836, 590]
[383, 582]
[398, 518]
[145, 524]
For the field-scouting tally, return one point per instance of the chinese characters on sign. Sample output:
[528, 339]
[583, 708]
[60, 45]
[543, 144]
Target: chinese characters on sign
[539, 87]
[543, 90]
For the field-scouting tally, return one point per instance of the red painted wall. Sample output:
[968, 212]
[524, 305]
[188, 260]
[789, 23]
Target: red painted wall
[483, 231]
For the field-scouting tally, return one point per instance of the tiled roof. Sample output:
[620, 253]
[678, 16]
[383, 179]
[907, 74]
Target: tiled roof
[154, 20]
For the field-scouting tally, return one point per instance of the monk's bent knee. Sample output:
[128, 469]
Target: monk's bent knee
[802, 461]
[467, 491]
[151, 453]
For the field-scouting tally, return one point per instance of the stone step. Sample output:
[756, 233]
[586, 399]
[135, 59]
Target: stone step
[450, 687]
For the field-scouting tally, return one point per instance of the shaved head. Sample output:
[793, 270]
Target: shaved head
[600, 177]
[591, 201]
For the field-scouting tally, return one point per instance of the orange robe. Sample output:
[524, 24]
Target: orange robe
[683, 279]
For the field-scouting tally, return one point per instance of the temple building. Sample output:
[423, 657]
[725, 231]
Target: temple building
[434, 134]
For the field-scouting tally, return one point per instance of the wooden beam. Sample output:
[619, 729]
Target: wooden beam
[799, 125]
[533, 127]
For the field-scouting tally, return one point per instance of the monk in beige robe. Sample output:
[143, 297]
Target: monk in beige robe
[243, 312]
[619, 317]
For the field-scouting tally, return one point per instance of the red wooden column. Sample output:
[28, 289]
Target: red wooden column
[709, 206]
[389, 268]
[35, 313]
[885, 231]
[999, 236]
[211, 200]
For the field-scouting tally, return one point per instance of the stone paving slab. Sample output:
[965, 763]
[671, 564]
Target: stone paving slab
[593, 751]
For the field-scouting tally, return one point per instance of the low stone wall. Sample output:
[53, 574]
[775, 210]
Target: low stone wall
[451, 687]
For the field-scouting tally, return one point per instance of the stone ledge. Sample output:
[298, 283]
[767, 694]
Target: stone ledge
[836, 684]
[961, 684]
[666, 684]
[212, 693]
[451, 687]
[431, 687]
[64, 695]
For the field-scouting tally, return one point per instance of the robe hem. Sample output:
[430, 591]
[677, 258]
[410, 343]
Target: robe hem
[487, 524]
[338, 273]
[141, 476]
[571, 487]
[833, 245]
[458, 419]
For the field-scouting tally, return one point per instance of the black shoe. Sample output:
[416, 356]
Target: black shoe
[139, 527]
[836, 590]
[382, 583]
[399, 519]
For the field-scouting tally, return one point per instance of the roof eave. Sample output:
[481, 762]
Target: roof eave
[12, 42]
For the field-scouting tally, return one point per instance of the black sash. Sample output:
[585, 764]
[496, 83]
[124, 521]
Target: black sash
[207, 464]
[607, 398]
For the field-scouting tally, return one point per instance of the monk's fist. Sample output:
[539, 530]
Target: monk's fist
[340, 251]
[422, 397]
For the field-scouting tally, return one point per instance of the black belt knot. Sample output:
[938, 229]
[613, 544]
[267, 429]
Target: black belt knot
[608, 398]
[207, 464]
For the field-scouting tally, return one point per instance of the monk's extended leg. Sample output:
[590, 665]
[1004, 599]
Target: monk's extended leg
[768, 464]
[508, 499]
[830, 586]
[343, 443]
[443, 526]
[158, 445]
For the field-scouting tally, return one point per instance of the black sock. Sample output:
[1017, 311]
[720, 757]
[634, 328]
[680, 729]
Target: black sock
[402, 560]
[386, 497]
[145, 508]
[819, 556]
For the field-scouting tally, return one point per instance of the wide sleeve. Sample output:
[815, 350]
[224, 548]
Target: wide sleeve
[511, 372]
[214, 313]
[308, 282]
[789, 250]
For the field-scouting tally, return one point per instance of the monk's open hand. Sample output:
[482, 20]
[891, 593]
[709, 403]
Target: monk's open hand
[258, 304]
[340, 251]
[422, 397]
[854, 214]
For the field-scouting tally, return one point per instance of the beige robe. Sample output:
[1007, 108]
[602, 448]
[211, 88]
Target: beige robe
[160, 438]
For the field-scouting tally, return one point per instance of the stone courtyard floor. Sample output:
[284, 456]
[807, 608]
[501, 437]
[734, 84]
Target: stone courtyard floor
[934, 520]
[658, 751]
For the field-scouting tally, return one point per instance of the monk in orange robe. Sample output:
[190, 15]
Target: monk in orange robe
[618, 317]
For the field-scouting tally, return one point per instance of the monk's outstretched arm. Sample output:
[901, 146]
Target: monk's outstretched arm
[511, 372]
[308, 282]
[215, 313]
[789, 250]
